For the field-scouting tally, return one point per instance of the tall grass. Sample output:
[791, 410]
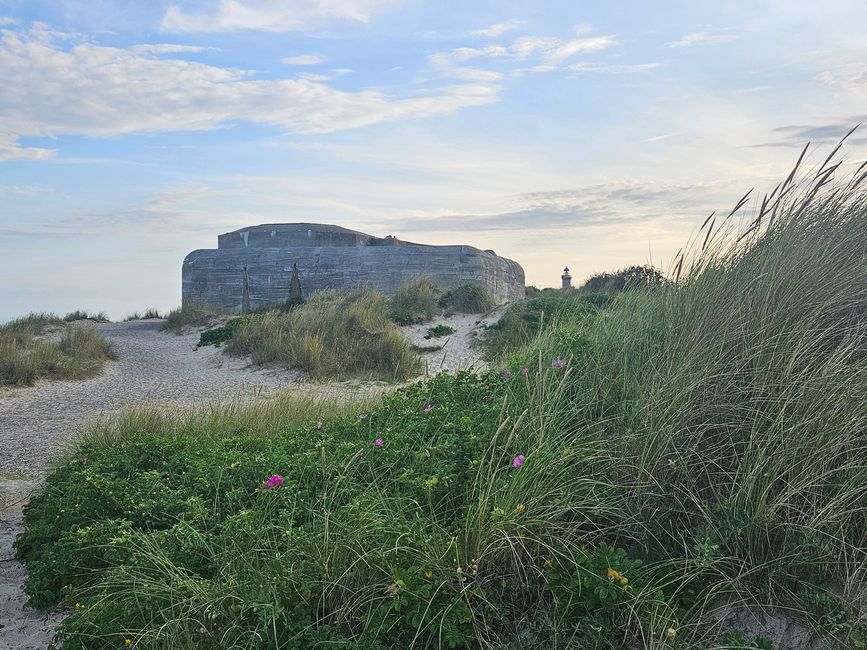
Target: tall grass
[149, 313]
[27, 356]
[83, 314]
[414, 302]
[467, 298]
[332, 335]
[191, 315]
[734, 404]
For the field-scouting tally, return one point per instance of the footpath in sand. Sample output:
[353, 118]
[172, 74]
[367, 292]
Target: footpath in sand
[40, 422]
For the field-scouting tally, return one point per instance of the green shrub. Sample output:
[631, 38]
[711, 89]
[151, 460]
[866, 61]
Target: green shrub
[414, 302]
[191, 315]
[438, 331]
[525, 320]
[633, 277]
[467, 298]
[219, 335]
[332, 335]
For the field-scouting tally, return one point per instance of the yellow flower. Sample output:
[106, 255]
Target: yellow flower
[235, 465]
[547, 563]
[79, 606]
[428, 574]
[127, 642]
[671, 633]
[520, 508]
[614, 574]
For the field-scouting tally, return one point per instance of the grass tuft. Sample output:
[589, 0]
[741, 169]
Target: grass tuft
[414, 302]
[467, 298]
[149, 313]
[81, 314]
[332, 335]
[28, 354]
[191, 315]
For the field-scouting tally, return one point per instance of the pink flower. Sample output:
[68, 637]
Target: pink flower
[558, 363]
[274, 481]
[507, 374]
[525, 372]
[427, 408]
[84, 461]
[405, 397]
[319, 425]
[518, 461]
[377, 442]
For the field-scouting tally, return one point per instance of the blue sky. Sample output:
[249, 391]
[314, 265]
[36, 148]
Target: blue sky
[593, 135]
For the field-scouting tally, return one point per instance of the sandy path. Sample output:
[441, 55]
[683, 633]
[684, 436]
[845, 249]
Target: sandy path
[36, 423]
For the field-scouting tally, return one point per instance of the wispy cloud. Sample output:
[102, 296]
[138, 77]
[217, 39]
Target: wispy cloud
[495, 30]
[304, 59]
[623, 68]
[704, 38]
[102, 91]
[270, 15]
[6, 20]
[24, 190]
[169, 48]
[593, 206]
[797, 135]
[550, 50]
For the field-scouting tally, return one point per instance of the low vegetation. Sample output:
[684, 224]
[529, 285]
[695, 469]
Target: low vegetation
[467, 298]
[419, 300]
[526, 320]
[648, 471]
[332, 335]
[414, 302]
[44, 346]
[191, 315]
[633, 277]
[149, 313]
[222, 333]
[82, 314]
[438, 331]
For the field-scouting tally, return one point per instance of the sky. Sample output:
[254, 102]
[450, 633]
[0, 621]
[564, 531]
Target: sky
[593, 135]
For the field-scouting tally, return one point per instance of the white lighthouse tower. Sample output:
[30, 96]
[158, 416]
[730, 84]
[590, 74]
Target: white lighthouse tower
[567, 278]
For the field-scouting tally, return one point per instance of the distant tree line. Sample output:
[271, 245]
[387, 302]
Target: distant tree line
[632, 277]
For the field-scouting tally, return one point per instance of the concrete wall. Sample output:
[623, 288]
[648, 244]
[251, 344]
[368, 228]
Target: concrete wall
[216, 276]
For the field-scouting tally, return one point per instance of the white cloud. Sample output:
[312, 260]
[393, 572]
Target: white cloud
[550, 49]
[475, 74]
[270, 15]
[101, 91]
[6, 20]
[24, 190]
[614, 69]
[11, 150]
[703, 38]
[495, 30]
[169, 48]
[304, 59]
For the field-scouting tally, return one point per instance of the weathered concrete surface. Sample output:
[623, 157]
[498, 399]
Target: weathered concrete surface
[330, 257]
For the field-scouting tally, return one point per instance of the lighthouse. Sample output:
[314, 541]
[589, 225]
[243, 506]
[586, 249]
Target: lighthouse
[567, 278]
